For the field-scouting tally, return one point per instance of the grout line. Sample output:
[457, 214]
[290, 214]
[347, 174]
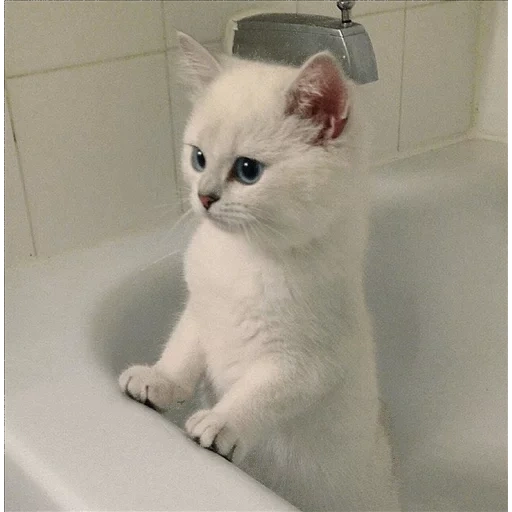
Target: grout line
[86, 64]
[22, 176]
[406, 7]
[425, 147]
[177, 187]
[378, 13]
[357, 16]
[415, 4]
[401, 83]
[478, 68]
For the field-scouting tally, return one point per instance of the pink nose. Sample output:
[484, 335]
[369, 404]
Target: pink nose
[207, 201]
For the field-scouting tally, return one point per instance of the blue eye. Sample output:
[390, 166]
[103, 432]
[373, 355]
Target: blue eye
[247, 171]
[198, 159]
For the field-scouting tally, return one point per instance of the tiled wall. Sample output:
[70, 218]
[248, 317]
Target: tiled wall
[95, 111]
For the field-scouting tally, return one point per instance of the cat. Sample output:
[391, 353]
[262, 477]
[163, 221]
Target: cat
[276, 322]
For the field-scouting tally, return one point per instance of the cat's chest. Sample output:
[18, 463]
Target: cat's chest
[233, 296]
[222, 269]
[235, 290]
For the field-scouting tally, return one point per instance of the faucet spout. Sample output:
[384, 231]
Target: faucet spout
[293, 38]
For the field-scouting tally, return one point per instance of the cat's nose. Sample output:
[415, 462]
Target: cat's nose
[208, 200]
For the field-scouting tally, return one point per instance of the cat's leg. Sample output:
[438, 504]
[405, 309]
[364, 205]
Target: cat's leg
[174, 377]
[270, 392]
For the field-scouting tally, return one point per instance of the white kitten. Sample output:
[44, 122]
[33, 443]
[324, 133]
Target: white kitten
[276, 320]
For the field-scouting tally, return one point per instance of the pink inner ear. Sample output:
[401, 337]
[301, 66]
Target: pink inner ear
[321, 95]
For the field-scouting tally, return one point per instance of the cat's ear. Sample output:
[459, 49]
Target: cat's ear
[198, 66]
[320, 93]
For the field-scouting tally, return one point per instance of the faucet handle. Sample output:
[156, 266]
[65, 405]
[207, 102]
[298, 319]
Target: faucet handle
[345, 4]
[345, 7]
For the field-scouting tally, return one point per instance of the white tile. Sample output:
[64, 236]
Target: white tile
[361, 7]
[180, 110]
[206, 20]
[382, 98]
[96, 150]
[18, 244]
[46, 35]
[413, 4]
[439, 68]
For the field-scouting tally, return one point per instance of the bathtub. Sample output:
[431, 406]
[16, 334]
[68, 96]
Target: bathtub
[436, 285]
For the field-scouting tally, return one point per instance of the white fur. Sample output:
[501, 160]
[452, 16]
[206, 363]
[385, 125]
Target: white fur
[276, 318]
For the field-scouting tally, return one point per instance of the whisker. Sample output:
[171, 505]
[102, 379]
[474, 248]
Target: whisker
[246, 233]
[263, 236]
[184, 222]
[165, 205]
[274, 230]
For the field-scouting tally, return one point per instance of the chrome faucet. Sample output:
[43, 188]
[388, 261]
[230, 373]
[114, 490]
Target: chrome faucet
[292, 38]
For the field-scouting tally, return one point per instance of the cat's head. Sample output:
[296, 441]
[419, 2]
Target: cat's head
[268, 151]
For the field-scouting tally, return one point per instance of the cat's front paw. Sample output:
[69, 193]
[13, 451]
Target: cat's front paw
[213, 431]
[150, 387]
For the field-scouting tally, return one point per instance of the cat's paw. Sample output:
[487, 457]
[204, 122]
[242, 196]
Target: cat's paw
[150, 387]
[213, 431]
